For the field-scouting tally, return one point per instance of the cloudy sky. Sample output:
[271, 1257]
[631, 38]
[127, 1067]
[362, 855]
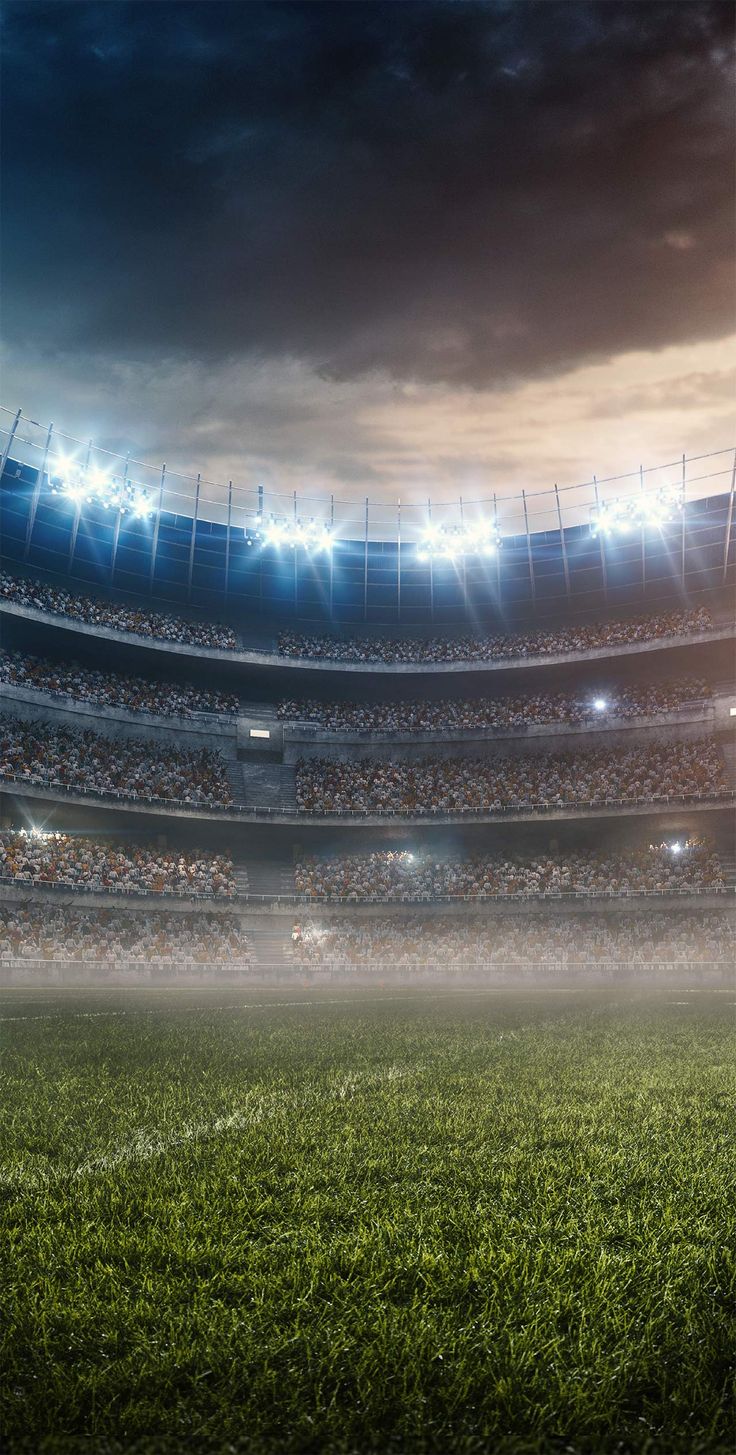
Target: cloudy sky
[396, 250]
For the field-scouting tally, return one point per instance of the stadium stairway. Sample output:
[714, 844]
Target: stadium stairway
[264, 712]
[264, 876]
[728, 867]
[728, 749]
[272, 946]
[242, 878]
[264, 785]
[235, 779]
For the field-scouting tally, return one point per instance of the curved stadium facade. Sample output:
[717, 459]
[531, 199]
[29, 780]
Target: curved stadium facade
[241, 738]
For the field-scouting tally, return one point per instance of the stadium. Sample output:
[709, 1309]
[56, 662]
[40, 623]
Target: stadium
[367, 754]
[259, 765]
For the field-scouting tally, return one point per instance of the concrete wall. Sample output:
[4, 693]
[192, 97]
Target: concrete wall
[231, 735]
[314, 742]
[116, 722]
[306, 669]
[255, 914]
[142, 809]
[724, 705]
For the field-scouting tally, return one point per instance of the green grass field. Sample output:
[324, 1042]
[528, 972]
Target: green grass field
[368, 1223]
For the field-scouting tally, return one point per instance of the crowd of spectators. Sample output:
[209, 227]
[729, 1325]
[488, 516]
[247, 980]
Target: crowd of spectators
[35, 752]
[121, 617]
[522, 710]
[75, 862]
[112, 689]
[503, 780]
[448, 946]
[532, 642]
[405, 875]
[111, 937]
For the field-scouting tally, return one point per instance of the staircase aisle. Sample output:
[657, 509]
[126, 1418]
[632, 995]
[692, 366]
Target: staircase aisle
[728, 748]
[242, 878]
[268, 785]
[262, 711]
[272, 947]
[235, 779]
[728, 867]
[266, 876]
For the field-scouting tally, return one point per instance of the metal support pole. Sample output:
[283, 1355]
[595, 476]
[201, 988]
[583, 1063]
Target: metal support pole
[77, 517]
[190, 573]
[154, 542]
[729, 522]
[37, 494]
[643, 538]
[9, 443]
[498, 550]
[116, 531]
[529, 550]
[464, 556]
[398, 561]
[331, 554]
[431, 566]
[682, 533]
[365, 565]
[296, 563]
[563, 546]
[228, 529]
[600, 543]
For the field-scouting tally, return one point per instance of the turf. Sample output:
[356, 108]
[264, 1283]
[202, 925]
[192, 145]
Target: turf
[368, 1223]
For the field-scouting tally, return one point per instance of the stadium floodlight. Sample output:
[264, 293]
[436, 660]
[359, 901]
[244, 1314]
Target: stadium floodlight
[141, 505]
[649, 510]
[311, 535]
[67, 477]
[600, 704]
[479, 538]
[90, 485]
[273, 533]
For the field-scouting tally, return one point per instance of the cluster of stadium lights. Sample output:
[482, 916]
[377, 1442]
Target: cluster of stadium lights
[278, 530]
[87, 484]
[482, 538]
[637, 512]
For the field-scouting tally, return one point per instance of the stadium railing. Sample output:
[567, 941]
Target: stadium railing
[124, 891]
[181, 969]
[311, 901]
[256, 811]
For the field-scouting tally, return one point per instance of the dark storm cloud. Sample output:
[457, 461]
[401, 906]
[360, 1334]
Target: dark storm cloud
[462, 193]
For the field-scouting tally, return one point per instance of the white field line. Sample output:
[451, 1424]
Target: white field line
[78, 1015]
[418, 996]
[144, 1145]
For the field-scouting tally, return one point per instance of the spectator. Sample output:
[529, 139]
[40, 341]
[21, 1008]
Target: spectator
[502, 780]
[76, 862]
[110, 689]
[139, 621]
[405, 875]
[114, 938]
[517, 944]
[463, 714]
[129, 767]
[532, 642]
